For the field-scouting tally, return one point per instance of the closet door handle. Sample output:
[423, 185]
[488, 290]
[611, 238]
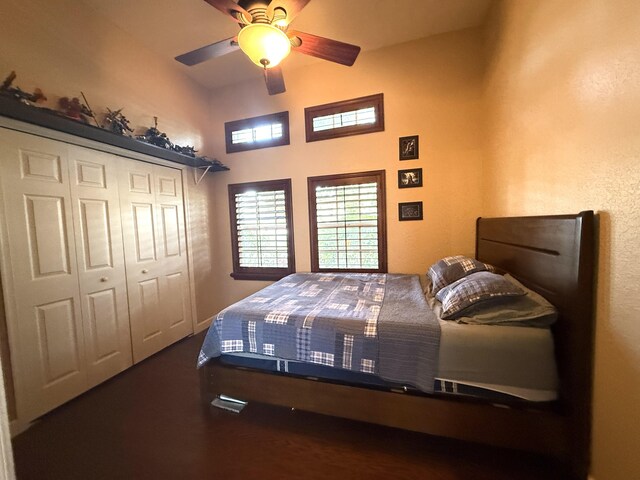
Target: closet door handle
[104, 279]
[144, 270]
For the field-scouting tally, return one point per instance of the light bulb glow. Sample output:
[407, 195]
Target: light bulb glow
[264, 44]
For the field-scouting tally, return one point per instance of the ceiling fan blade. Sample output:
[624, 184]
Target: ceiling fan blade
[210, 51]
[232, 9]
[292, 7]
[274, 80]
[325, 48]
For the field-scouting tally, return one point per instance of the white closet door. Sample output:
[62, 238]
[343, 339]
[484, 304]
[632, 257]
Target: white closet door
[48, 330]
[137, 204]
[153, 226]
[172, 253]
[100, 260]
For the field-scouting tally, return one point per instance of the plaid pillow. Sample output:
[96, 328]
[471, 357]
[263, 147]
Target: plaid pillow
[449, 269]
[474, 289]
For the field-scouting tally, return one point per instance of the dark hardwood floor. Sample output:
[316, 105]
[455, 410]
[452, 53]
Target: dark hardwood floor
[147, 423]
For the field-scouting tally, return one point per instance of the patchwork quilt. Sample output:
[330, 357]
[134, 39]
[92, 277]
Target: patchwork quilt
[373, 323]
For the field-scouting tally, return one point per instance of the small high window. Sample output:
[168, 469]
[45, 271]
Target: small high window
[348, 117]
[257, 132]
[261, 230]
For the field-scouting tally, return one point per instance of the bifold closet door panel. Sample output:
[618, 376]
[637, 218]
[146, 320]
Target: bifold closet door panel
[138, 209]
[172, 253]
[100, 260]
[46, 330]
[155, 254]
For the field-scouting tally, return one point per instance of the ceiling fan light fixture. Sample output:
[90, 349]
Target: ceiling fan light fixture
[264, 44]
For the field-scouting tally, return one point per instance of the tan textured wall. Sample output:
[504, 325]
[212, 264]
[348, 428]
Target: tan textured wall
[64, 48]
[563, 97]
[203, 231]
[431, 88]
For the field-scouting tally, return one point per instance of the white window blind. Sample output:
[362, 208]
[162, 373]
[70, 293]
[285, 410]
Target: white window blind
[347, 225]
[363, 116]
[257, 134]
[262, 229]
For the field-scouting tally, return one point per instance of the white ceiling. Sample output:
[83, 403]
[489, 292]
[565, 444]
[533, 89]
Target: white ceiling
[172, 27]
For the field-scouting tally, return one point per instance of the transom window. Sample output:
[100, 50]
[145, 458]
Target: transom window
[348, 117]
[257, 132]
[364, 116]
[348, 224]
[261, 230]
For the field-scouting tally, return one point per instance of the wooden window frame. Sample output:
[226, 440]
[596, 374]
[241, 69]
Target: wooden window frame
[253, 122]
[376, 101]
[261, 273]
[377, 176]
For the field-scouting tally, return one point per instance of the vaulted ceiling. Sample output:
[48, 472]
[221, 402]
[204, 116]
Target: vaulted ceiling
[172, 27]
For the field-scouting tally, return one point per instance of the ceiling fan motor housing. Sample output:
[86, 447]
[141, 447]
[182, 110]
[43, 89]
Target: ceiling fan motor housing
[257, 9]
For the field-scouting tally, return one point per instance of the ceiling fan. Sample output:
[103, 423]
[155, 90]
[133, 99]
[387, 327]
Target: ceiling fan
[266, 39]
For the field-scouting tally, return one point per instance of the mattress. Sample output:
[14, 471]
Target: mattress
[485, 361]
[517, 361]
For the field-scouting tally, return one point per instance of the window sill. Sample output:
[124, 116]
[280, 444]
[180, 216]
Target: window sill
[264, 276]
[350, 270]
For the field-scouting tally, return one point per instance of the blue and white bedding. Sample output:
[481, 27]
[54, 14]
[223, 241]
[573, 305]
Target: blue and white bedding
[372, 323]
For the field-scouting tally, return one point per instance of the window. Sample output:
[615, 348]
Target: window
[341, 119]
[258, 132]
[348, 223]
[261, 230]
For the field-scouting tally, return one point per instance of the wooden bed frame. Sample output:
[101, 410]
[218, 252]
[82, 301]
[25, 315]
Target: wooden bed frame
[553, 255]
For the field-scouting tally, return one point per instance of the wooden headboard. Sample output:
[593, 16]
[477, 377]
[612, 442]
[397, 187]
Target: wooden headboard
[555, 256]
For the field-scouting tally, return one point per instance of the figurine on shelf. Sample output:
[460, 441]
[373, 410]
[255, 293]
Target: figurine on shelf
[117, 122]
[18, 94]
[188, 151]
[90, 110]
[74, 109]
[156, 137]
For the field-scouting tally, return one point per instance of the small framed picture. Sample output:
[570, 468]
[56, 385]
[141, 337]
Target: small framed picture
[409, 147]
[410, 211]
[410, 178]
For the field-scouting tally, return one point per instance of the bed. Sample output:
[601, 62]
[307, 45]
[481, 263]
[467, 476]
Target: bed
[553, 256]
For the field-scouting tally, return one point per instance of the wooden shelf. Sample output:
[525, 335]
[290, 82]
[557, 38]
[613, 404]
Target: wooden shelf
[46, 118]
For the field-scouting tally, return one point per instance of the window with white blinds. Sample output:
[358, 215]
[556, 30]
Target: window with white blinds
[348, 222]
[262, 232]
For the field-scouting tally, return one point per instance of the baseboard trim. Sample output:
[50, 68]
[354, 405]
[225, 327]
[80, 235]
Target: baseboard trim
[16, 427]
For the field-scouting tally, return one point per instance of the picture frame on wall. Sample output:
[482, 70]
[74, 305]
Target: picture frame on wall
[408, 211]
[410, 178]
[409, 147]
